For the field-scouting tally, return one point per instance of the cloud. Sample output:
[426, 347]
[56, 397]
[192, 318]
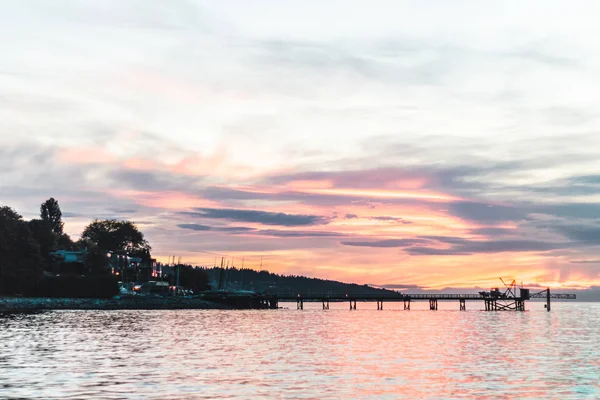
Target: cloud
[571, 210]
[255, 216]
[430, 245]
[293, 234]
[226, 229]
[432, 251]
[586, 179]
[123, 210]
[261, 232]
[195, 227]
[71, 215]
[494, 231]
[235, 229]
[380, 218]
[225, 194]
[580, 233]
[582, 185]
[468, 247]
[483, 212]
[387, 243]
[585, 262]
[394, 219]
[372, 178]
[156, 181]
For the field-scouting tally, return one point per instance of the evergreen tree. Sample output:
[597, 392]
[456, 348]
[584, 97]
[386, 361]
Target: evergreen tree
[51, 213]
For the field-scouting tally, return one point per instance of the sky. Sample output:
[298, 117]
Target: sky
[405, 144]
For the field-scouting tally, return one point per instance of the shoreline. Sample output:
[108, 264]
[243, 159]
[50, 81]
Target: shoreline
[19, 304]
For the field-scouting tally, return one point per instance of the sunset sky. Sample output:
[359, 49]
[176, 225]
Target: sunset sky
[397, 143]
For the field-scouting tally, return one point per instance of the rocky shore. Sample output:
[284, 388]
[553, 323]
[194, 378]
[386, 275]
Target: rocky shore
[18, 304]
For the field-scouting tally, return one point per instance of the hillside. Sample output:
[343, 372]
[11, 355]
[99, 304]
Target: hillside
[264, 281]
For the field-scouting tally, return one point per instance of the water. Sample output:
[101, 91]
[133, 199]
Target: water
[303, 354]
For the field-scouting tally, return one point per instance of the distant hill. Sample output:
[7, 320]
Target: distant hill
[264, 281]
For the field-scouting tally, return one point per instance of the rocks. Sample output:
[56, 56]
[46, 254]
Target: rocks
[11, 304]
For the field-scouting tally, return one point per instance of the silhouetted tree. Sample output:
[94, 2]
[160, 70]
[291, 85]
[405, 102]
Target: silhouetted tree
[116, 236]
[47, 240]
[95, 258]
[192, 278]
[51, 213]
[121, 237]
[20, 261]
[64, 242]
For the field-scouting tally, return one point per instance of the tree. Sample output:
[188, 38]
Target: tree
[121, 237]
[42, 233]
[64, 242]
[51, 213]
[20, 261]
[115, 236]
[192, 278]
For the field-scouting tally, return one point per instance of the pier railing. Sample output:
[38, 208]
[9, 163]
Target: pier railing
[374, 297]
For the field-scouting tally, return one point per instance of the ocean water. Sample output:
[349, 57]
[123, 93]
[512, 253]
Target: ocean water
[309, 354]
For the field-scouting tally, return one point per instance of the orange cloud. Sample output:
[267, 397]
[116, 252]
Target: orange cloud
[385, 194]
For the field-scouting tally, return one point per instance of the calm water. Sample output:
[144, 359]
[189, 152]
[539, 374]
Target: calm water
[303, 354]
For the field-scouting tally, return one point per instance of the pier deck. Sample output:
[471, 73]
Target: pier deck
[493, 301]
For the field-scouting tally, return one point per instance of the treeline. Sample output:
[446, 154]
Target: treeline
[25, 246]
[192, 278]
[27, 266]
[26, 249]
[264, 281]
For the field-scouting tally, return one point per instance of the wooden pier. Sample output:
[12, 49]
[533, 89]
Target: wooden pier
[493, 300]
[511, 299]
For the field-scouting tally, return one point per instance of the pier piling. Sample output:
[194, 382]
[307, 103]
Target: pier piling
[433, 304]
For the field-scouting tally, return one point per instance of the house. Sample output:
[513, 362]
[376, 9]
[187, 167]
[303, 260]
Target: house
[68, 256]
[130, 268]
[68, 262]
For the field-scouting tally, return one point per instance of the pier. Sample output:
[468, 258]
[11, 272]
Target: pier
[495, 300]
[511, 298]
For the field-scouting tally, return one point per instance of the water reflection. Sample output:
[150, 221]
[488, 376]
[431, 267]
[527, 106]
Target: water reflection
[302, 354]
